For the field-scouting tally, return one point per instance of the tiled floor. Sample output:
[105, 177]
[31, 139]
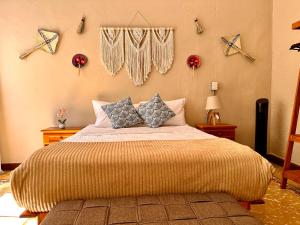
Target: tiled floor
[282, 207]
[5, 188]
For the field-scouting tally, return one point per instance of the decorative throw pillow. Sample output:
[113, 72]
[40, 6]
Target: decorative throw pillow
[177, 106]
[155, 112]
[102, 120]
[122, 114]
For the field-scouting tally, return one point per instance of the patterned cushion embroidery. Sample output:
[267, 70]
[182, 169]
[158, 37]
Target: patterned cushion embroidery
[155, 112]
[122, 114]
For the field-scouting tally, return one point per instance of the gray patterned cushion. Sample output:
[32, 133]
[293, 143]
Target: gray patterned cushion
[122, 114]
[155, 112]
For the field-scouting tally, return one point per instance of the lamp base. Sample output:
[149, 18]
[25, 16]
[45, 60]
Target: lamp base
[213, 117]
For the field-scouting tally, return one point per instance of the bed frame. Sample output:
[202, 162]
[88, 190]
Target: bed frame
[41, 215]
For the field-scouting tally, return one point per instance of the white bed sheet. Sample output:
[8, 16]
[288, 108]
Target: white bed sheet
[92, 133]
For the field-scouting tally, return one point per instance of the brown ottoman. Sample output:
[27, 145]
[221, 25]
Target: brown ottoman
[187, 209]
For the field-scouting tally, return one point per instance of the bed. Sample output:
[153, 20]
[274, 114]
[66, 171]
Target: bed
[106, 162]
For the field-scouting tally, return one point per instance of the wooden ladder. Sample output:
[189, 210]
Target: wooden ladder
[288, 173]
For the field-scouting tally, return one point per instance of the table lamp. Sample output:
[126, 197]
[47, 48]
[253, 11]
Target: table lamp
[212, 104]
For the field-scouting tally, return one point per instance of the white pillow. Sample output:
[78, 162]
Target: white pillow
[177, 106]
[102, 120]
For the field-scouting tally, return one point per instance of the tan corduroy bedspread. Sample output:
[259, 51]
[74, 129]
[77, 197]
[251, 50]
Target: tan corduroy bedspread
[69, 170]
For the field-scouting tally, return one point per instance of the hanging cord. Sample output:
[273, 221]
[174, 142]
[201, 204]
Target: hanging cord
[141, 15]
[129, 25]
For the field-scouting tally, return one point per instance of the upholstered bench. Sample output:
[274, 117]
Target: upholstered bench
[188, 209]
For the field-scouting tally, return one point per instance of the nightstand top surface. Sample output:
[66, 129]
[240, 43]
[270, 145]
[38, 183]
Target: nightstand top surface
[219, 125]
[56, 129]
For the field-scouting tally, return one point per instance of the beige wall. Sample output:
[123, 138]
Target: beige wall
[33, 89]
[285, 72]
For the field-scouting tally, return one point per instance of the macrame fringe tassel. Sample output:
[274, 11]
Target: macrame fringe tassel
[137, 56]
[112, 49]
[162, 49]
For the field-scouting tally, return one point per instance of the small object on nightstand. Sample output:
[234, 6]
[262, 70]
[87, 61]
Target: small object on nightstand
[55, 134]
[212, 104]
[220, 130]
[61, 120]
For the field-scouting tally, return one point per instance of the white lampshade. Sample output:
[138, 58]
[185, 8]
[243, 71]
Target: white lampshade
[212, 102]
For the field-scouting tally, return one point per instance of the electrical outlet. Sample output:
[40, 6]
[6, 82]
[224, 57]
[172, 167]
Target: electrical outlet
[214, 86]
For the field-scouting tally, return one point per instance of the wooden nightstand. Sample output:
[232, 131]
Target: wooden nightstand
[220, 130]
[54, 134]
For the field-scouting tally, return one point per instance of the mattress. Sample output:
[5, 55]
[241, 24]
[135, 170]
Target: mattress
[104, 162]
[92, 133]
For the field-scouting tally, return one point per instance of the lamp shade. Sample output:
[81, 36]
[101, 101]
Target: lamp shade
[212, 102]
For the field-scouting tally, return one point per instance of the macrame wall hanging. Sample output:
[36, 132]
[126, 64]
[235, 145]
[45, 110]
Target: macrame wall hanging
[162, 49]
[138, 48]
[112, 49]
[138, 54]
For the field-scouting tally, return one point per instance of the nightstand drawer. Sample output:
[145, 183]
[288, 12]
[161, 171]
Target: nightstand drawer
[54, 134]
[221, 133]
[219, 130]
[58, 137]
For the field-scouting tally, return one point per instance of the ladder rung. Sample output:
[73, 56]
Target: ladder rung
[294, 137]
[292, 175]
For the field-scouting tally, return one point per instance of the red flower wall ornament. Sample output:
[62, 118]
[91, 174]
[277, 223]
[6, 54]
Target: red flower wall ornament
[194, 62]
[79, 61]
